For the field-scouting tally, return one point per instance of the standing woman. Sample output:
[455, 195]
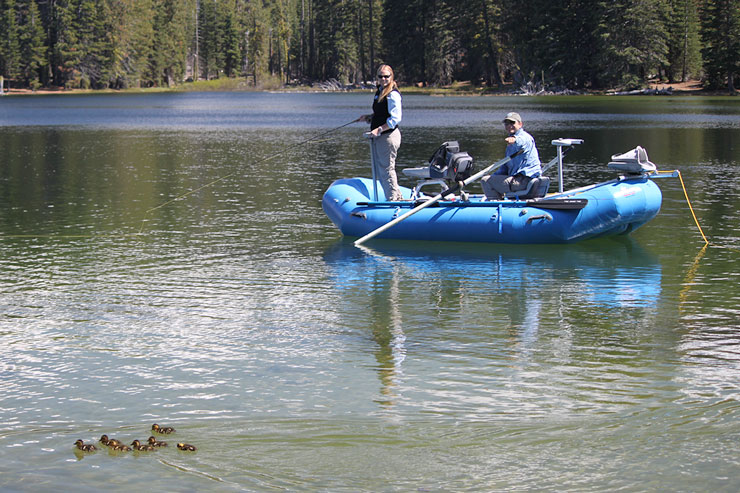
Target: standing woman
[384, 131]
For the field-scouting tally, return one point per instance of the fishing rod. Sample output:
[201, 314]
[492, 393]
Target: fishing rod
[220, 178]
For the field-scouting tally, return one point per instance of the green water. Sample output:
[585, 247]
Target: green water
[165, 259]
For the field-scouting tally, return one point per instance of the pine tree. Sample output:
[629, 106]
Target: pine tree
[684, 56]
[230, 44]
[31, 43]
[66, 49]
[10, 63]
[336, 52]
[570, 48]
[347, 52]
[632, 41]
[209, 39]
[492, 48]
[442, 50]
[405, 53]
[519, 28]
[252, 18]
[130, 43]
[721, 38]
[83, 49]
[171, 25]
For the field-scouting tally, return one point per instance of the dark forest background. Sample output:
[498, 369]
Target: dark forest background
[547, 44]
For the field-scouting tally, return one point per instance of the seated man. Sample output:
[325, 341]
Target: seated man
[516, 174]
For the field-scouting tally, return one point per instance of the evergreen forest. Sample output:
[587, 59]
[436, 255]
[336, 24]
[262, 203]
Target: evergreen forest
[552, 44]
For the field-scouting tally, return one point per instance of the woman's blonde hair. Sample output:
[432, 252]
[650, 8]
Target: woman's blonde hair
[387, 89]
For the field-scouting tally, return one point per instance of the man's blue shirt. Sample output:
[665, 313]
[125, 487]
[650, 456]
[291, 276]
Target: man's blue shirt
[526, 163]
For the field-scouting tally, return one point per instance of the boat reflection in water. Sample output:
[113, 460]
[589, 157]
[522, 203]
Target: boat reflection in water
[462, 294]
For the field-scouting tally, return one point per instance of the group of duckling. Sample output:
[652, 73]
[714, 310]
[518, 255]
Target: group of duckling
[151, 444]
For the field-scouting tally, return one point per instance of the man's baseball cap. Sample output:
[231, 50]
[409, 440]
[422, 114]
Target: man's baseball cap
[513, 117]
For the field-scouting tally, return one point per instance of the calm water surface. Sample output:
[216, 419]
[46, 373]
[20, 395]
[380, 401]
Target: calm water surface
[295, 361]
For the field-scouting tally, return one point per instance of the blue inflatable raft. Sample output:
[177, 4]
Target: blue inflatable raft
[618, 206]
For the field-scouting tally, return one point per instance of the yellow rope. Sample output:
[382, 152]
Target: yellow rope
[706, 241]
[685, 193]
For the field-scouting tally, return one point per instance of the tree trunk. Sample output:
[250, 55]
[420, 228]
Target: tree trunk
[196, 64]
[362, 45]
[372, 37]
[492, 68]
[303, 39]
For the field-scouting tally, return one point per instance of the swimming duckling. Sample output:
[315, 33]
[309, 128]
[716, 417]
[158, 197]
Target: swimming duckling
[186, 447]
[154, 443]
[162, 429]
[137, 445]
[85, 447]
[121, 448]
[110, 442]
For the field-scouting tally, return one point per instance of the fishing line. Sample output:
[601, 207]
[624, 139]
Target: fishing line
[190, 192]
[182, 196]
[70, 236]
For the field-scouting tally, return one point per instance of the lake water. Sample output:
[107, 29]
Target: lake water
[165, 259]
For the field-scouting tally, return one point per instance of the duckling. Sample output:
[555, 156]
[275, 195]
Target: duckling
[154, 443]
[121, 448]
[137, 445]
[162, 429]
[110, 442]
[186, 447]
[85, 447]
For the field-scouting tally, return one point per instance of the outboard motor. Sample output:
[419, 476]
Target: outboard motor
[449, 163]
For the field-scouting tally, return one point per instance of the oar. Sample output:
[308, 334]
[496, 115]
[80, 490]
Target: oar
[437, 198]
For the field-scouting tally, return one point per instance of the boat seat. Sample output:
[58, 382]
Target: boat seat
[634, 162]
[419, 173]
[423, 175]
[536, 188]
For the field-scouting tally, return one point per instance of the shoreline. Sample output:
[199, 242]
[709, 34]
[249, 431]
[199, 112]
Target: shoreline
[689, 88]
